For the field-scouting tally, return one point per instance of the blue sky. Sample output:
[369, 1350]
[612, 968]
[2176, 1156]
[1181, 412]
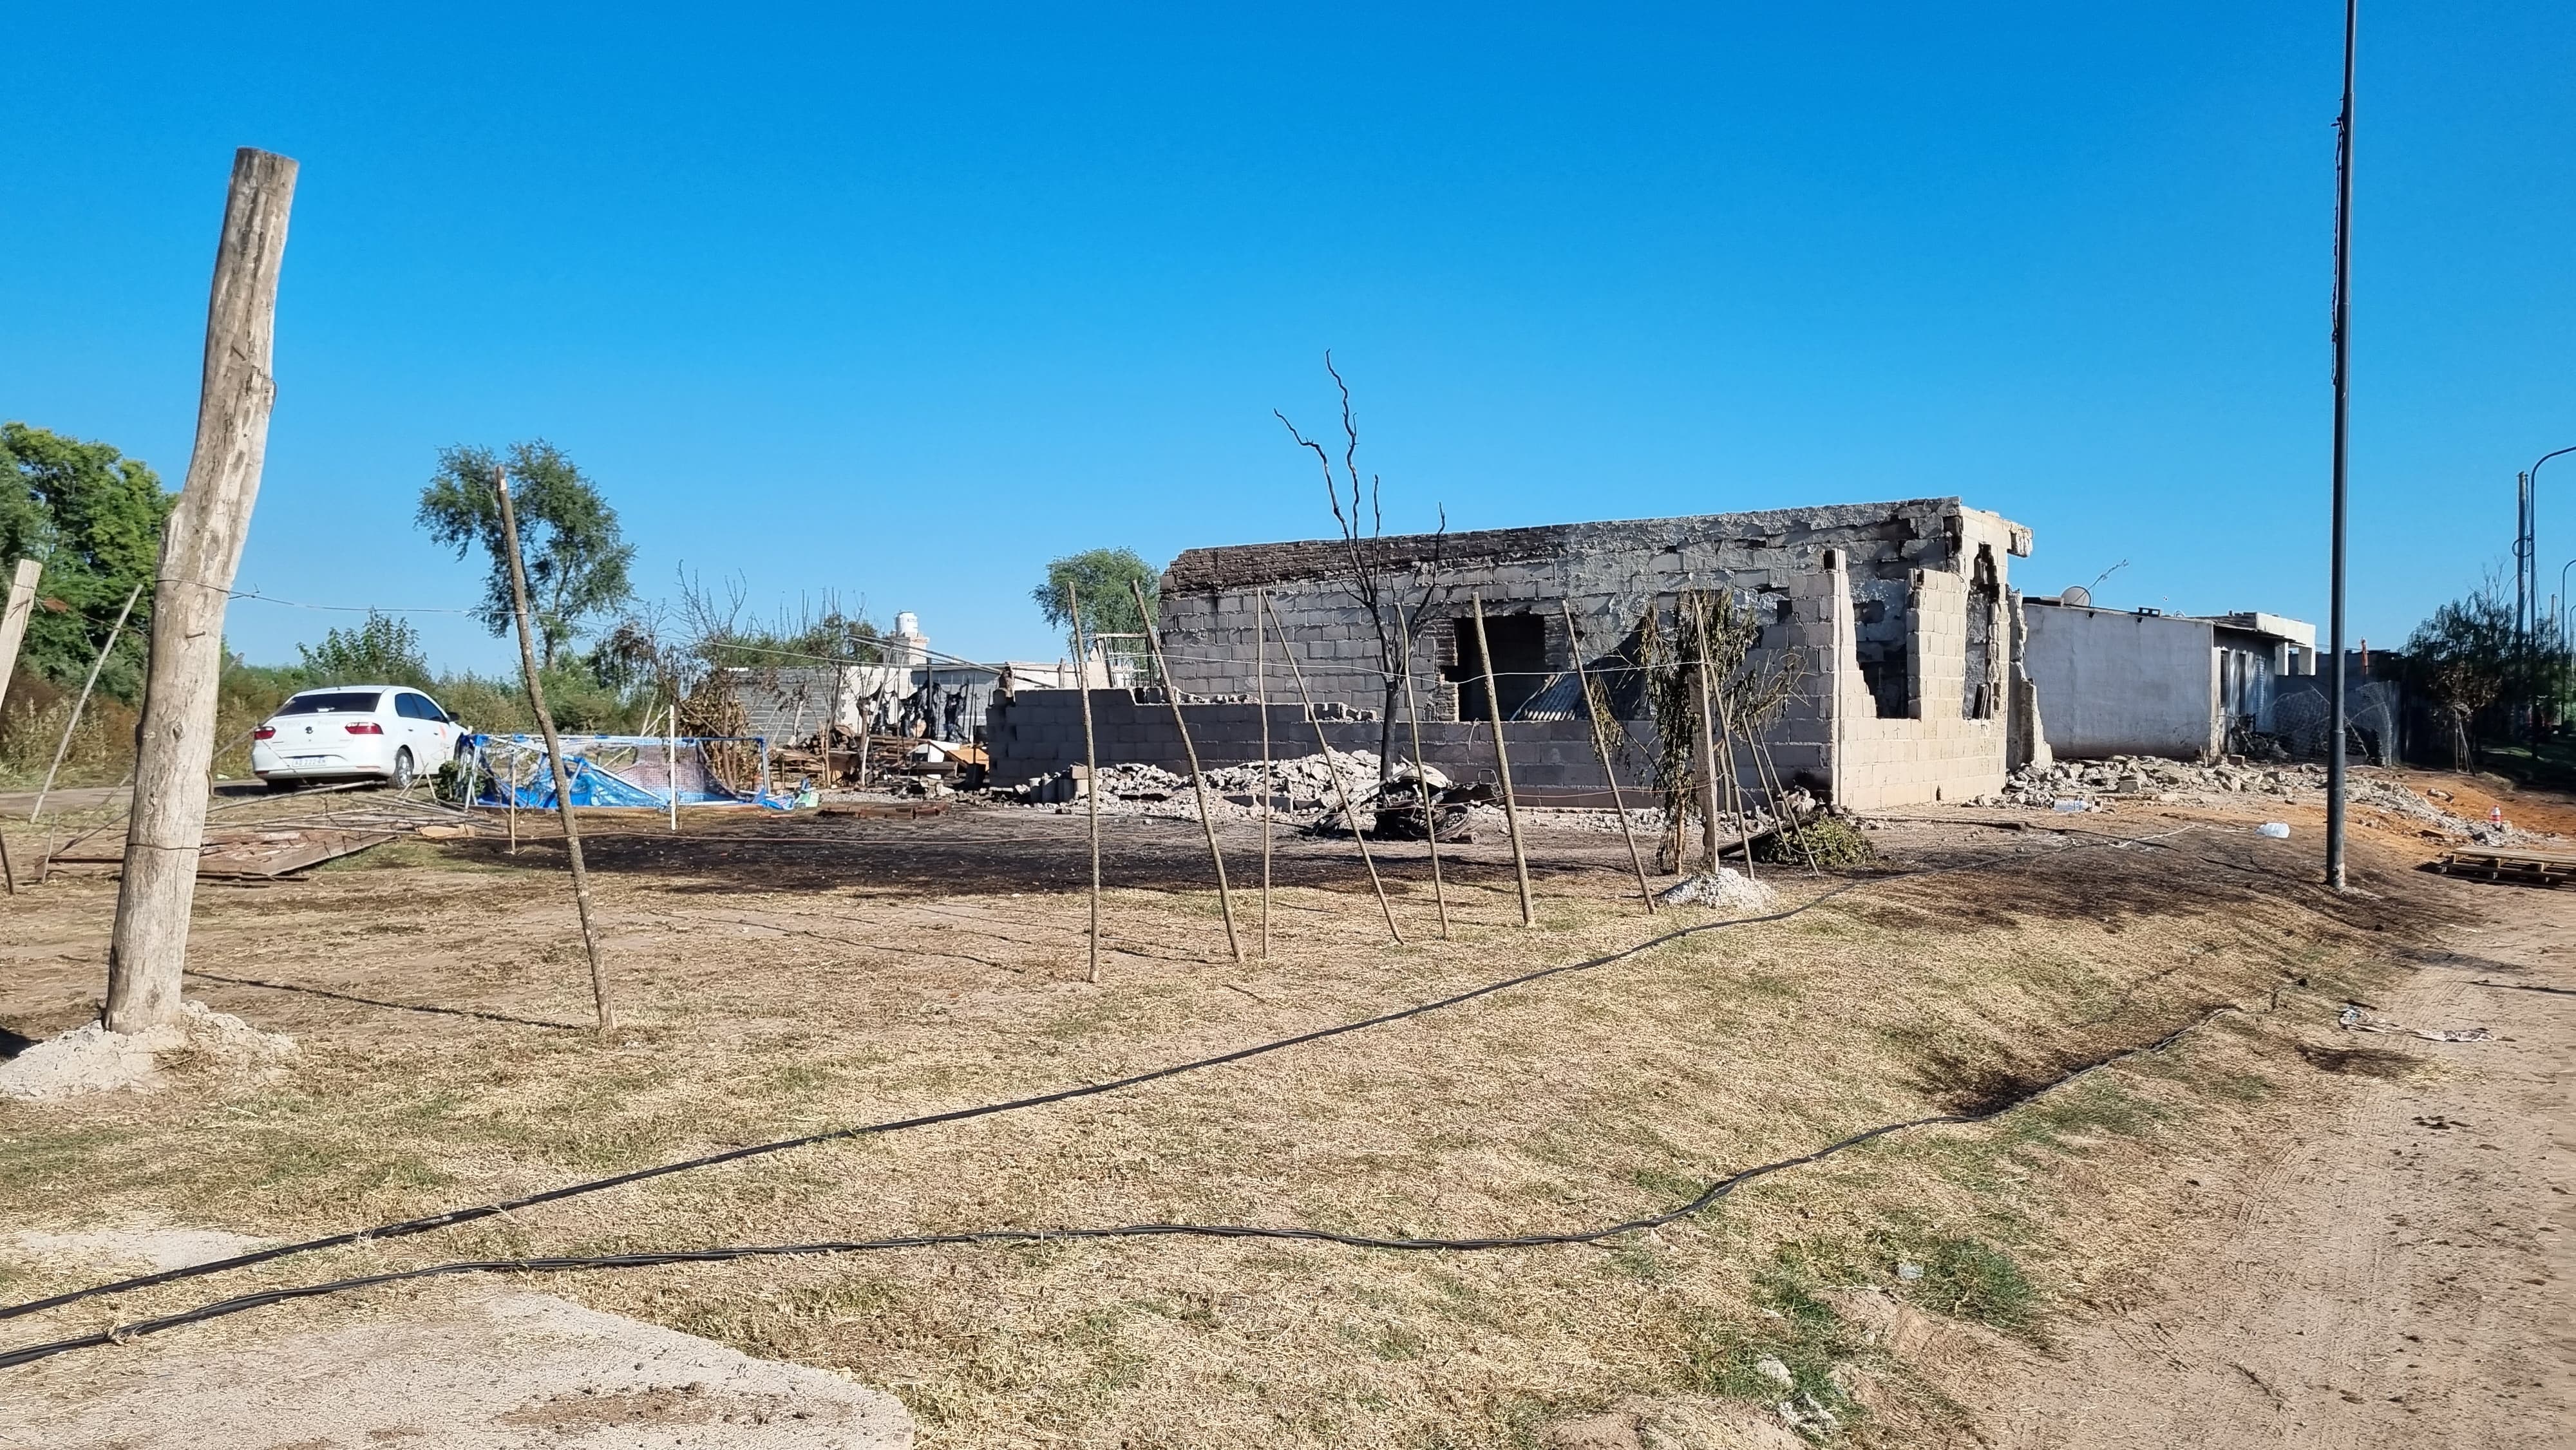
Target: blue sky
[897, 307]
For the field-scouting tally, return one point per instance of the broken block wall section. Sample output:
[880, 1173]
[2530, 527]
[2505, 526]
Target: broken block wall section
[1884, 586]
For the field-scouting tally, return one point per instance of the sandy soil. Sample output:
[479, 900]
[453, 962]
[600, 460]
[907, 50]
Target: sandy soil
[2393, 1270]
[780, 976]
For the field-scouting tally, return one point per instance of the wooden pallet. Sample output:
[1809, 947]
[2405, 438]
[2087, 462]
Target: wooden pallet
[887, 810]
[2503, 863]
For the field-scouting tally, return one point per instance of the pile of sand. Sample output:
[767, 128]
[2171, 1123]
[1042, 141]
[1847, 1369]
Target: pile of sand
[92, 1059]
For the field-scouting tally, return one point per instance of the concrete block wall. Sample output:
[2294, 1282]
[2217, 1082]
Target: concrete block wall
[1036, 732]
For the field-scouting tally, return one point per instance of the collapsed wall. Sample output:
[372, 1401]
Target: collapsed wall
[1898, 617]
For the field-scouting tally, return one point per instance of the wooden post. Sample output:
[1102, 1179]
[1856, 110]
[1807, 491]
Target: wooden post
[1090, 773]
[510, 807]
[1503, 762]
[554, 752]
[200, 550]
[1738, 800]
[671, 758]
[1269, 789]
[82, 703]
[1767, 770]
[1601, 746]
[1707, 739]
[13, 618]
[1341, 788]
[1430, 817]
[1198, 782]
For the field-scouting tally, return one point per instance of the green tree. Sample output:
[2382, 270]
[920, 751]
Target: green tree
[94, 517]
[576, 556]
[383, 651]
[2467, 658]
[1101, 578]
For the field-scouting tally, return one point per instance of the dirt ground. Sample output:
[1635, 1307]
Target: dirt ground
[2272, 1231]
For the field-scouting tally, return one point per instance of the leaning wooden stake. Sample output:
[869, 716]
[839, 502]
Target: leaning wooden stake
[671, 759]
[1503, 763]
[1269, 788]
[1341, 787]
[65, 748]
[1198, 782]
[200, 550]
[1430, 819]
[1090, 771]
[1601, 747]
[1739, 802]
[554, 752]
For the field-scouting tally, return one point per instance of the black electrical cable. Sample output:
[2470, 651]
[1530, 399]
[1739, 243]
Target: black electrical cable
[28, 1354]
[452, 1217]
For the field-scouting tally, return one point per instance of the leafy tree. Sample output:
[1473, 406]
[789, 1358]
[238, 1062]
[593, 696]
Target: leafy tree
[2468, 659]
[576, 556]
[1101, 578]
[94, 517]
[383, 651]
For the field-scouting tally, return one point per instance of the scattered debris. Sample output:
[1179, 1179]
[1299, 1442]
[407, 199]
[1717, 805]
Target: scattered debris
[2494, 863]
[92, 1059]
[2277, 830]
[2354, 1019]
[2087, 785]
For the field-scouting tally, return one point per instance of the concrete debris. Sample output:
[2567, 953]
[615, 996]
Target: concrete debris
[2101, 784]
[1726, 889]
[92, 1059]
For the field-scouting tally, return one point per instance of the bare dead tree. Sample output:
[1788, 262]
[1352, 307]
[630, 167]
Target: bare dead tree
[1374, 579]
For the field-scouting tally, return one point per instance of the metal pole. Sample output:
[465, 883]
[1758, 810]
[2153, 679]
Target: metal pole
[83, 702]
[2337, 724]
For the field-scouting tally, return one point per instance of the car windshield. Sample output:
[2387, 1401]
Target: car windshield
[332, 702]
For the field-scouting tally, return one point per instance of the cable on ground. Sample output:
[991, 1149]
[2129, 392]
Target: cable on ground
[118, 1334]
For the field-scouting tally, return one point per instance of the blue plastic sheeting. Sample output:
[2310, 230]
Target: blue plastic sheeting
[607, 770]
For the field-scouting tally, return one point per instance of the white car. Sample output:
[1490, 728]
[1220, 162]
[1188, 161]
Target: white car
[353, 732]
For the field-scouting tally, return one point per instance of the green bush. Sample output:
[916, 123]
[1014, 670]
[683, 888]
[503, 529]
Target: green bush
[1837, 843]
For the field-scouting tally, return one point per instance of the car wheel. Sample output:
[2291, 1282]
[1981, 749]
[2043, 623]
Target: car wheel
[402, 769]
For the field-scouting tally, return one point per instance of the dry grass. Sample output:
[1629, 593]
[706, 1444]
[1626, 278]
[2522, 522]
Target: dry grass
[1571, 1102]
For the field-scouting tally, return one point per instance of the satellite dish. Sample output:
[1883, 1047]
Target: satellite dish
[2076, 594]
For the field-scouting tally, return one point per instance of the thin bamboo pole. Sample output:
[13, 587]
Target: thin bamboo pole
[1090, 773]
[1769, 771]
[1341, 788]
[1269, 787]
[671, 759]
[1503, 764]
[1707, 725]
[1430, 818]
[1738, 801]
[83, 702]
[1601, 746]
[607, 1010]
[1198, 782]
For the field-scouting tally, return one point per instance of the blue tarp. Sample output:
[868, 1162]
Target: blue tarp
[611, 770]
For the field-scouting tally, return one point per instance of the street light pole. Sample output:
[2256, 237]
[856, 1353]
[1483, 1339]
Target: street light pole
[2526, 550]
[2342, 355]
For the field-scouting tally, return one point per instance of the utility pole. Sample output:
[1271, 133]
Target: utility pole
[200, 550]
[2342, 399]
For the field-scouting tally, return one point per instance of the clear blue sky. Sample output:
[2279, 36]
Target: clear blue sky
[901, 307]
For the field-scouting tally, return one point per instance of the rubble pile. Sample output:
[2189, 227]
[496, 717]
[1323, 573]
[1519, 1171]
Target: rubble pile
[2096, 784]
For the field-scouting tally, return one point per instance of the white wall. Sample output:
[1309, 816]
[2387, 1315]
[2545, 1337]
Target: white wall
[2112, 683]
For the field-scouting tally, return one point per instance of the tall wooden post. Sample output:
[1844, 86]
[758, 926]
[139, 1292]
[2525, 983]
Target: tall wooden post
[1341, 787]
[1090, 771]
[554, 752]
[1503, 762]
[13, 628]
[1198, 782]
[671, 758]
[1430, 817]
[200, 550]
[1269, 789]
[1601, 746]
[1707, 740]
